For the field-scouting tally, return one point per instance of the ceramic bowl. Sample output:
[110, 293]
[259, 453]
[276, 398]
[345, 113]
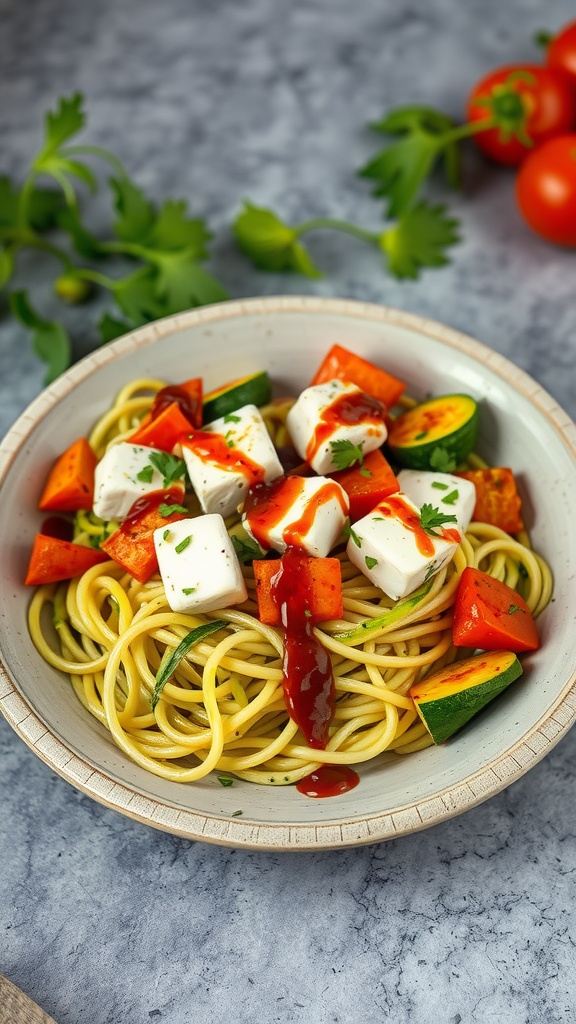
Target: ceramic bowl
[521, 426]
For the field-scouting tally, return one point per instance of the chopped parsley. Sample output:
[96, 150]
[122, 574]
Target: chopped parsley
[431, 518]
[225, 780]
[189, 590]
[515, 608]
[170, 466]
[439, 486]
[145, 474]
[345, 454]
[370, 562]
[442, 460]
[449, 499]
[183, 544]
[349, 532]
[231, 418]
[166, 534]
[169, 510]
[245, 549]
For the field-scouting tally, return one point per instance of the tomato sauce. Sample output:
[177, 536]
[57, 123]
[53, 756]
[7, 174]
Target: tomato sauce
[328, 780]
[395, 507]
[189, 406]
[215, 449]
[268, 503]
[347, 410]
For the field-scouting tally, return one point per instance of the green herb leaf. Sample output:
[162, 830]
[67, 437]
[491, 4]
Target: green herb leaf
[270, 243]
[418, 239]
[439, 486]
[246, 549]
[111, 327]
[169, 510]
[172, 658]
[370, 562]
[59, 126]
[349, 532]
[345, 453]
[431, 518]
[231, 418]
[171, 467]
[515, 608]
[451, 498]
[183, 544]
[442, 460]
[400, 169]
[145, 474]
[225, 780]
[50, 341]
[6, 266]
[189, 590]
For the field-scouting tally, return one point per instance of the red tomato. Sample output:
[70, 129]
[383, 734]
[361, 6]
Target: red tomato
[549, 108]
[546, 190]
[561, 53]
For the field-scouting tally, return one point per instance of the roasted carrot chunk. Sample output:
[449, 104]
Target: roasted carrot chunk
[70, 484]
[53, 559]
[164, 430]
[491, 616]
[341, 364]
[368, 484]
[323, 583]
[497, 499]
[132, 545]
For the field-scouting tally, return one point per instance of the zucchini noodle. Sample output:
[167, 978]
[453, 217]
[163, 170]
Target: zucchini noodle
[223, 708]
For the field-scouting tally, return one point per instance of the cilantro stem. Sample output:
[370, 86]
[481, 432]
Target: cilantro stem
[84, 274]
[104, 154]
[334, 224]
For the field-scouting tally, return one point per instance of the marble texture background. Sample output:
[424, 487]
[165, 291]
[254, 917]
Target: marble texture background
[103, 920]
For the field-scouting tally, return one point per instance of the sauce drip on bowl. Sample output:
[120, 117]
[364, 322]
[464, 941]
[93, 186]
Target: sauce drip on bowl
[328, 780]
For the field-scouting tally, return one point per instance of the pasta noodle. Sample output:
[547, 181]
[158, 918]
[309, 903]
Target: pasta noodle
[223, 708]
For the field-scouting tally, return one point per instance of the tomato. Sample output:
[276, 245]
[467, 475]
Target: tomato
[546, 190]
[561, 53]
[547, 107]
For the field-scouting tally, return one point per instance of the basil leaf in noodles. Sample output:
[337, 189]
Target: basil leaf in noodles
[170, 661]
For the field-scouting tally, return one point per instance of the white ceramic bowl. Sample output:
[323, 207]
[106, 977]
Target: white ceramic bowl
[522, 427]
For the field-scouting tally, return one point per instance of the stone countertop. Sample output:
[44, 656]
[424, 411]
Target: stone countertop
[104, 920]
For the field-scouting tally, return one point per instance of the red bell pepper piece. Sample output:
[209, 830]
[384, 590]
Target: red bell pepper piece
[163, 431]
[322, 580]
[53, 560]
[491, 616]
[497, 499]
[70, 484]
[367, 485]
[341, 364]
[132, 545]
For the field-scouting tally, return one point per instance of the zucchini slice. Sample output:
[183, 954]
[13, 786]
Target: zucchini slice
[449, 698]
[254, 389]
[437, 434]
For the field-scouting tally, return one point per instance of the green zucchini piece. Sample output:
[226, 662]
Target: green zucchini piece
[437, 434]
[254, 389]
[449, 698]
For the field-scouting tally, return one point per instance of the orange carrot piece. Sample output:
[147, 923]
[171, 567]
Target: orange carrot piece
[53, 560]
[324, 583]
[341, 364]
[491, 616]
[368, 484]
[165, 430]
[132, 545]
[497, 499]
[70, 484]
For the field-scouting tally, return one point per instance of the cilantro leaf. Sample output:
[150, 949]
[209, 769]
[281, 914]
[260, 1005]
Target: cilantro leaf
[50, 340]
[85, 243]
[451, 498]
[110, 328]
[442, 460]
[270, 243]
[135, 295]
[345, 453]
[169, 510]
[418, 239]
[59, 126]
[431, 518]
[349, 532]
[6, 266]
[173, 656]
[170, 466]
[135, 212]
[246, 549]
[182, 283]
[400, 169]
[46, 206]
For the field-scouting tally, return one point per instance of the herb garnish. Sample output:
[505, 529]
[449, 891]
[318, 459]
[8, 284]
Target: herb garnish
[145, 474]
[169, 510]
[370, 562]
[451, 498]
[431, 518]
[172, 658]
[183, 544]
[170, 466]
[349, 532]
[345, 453]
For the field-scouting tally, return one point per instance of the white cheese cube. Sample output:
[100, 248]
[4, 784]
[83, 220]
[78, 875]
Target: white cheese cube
[305, 512]
[227, 457]
[198, 565]
[335, 412]
[125, 473]
[390, 547]
[452, 495]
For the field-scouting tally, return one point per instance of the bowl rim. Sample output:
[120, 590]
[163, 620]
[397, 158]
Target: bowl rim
[455, 798]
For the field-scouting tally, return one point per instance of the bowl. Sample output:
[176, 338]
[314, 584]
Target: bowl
[521, 426]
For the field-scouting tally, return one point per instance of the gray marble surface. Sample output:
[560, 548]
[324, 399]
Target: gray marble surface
[103, 920]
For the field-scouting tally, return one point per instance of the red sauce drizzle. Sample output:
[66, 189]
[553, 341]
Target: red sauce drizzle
[328, 780]
[57, 527]
[174, 393]
[347, 410]
[308, 680]
[397, 508]
[267, 503]
[213, 448]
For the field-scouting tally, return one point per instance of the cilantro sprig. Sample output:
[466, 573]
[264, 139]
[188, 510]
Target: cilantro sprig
[345, 453]
[418, 238]
[432, 518]
[159, 246]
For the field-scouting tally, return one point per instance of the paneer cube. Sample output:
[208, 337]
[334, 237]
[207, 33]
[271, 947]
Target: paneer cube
[297, 511]
[449, 494]
[395, 552]
[127, 471]
[227, 457]
[328, 421]
[198, 565]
